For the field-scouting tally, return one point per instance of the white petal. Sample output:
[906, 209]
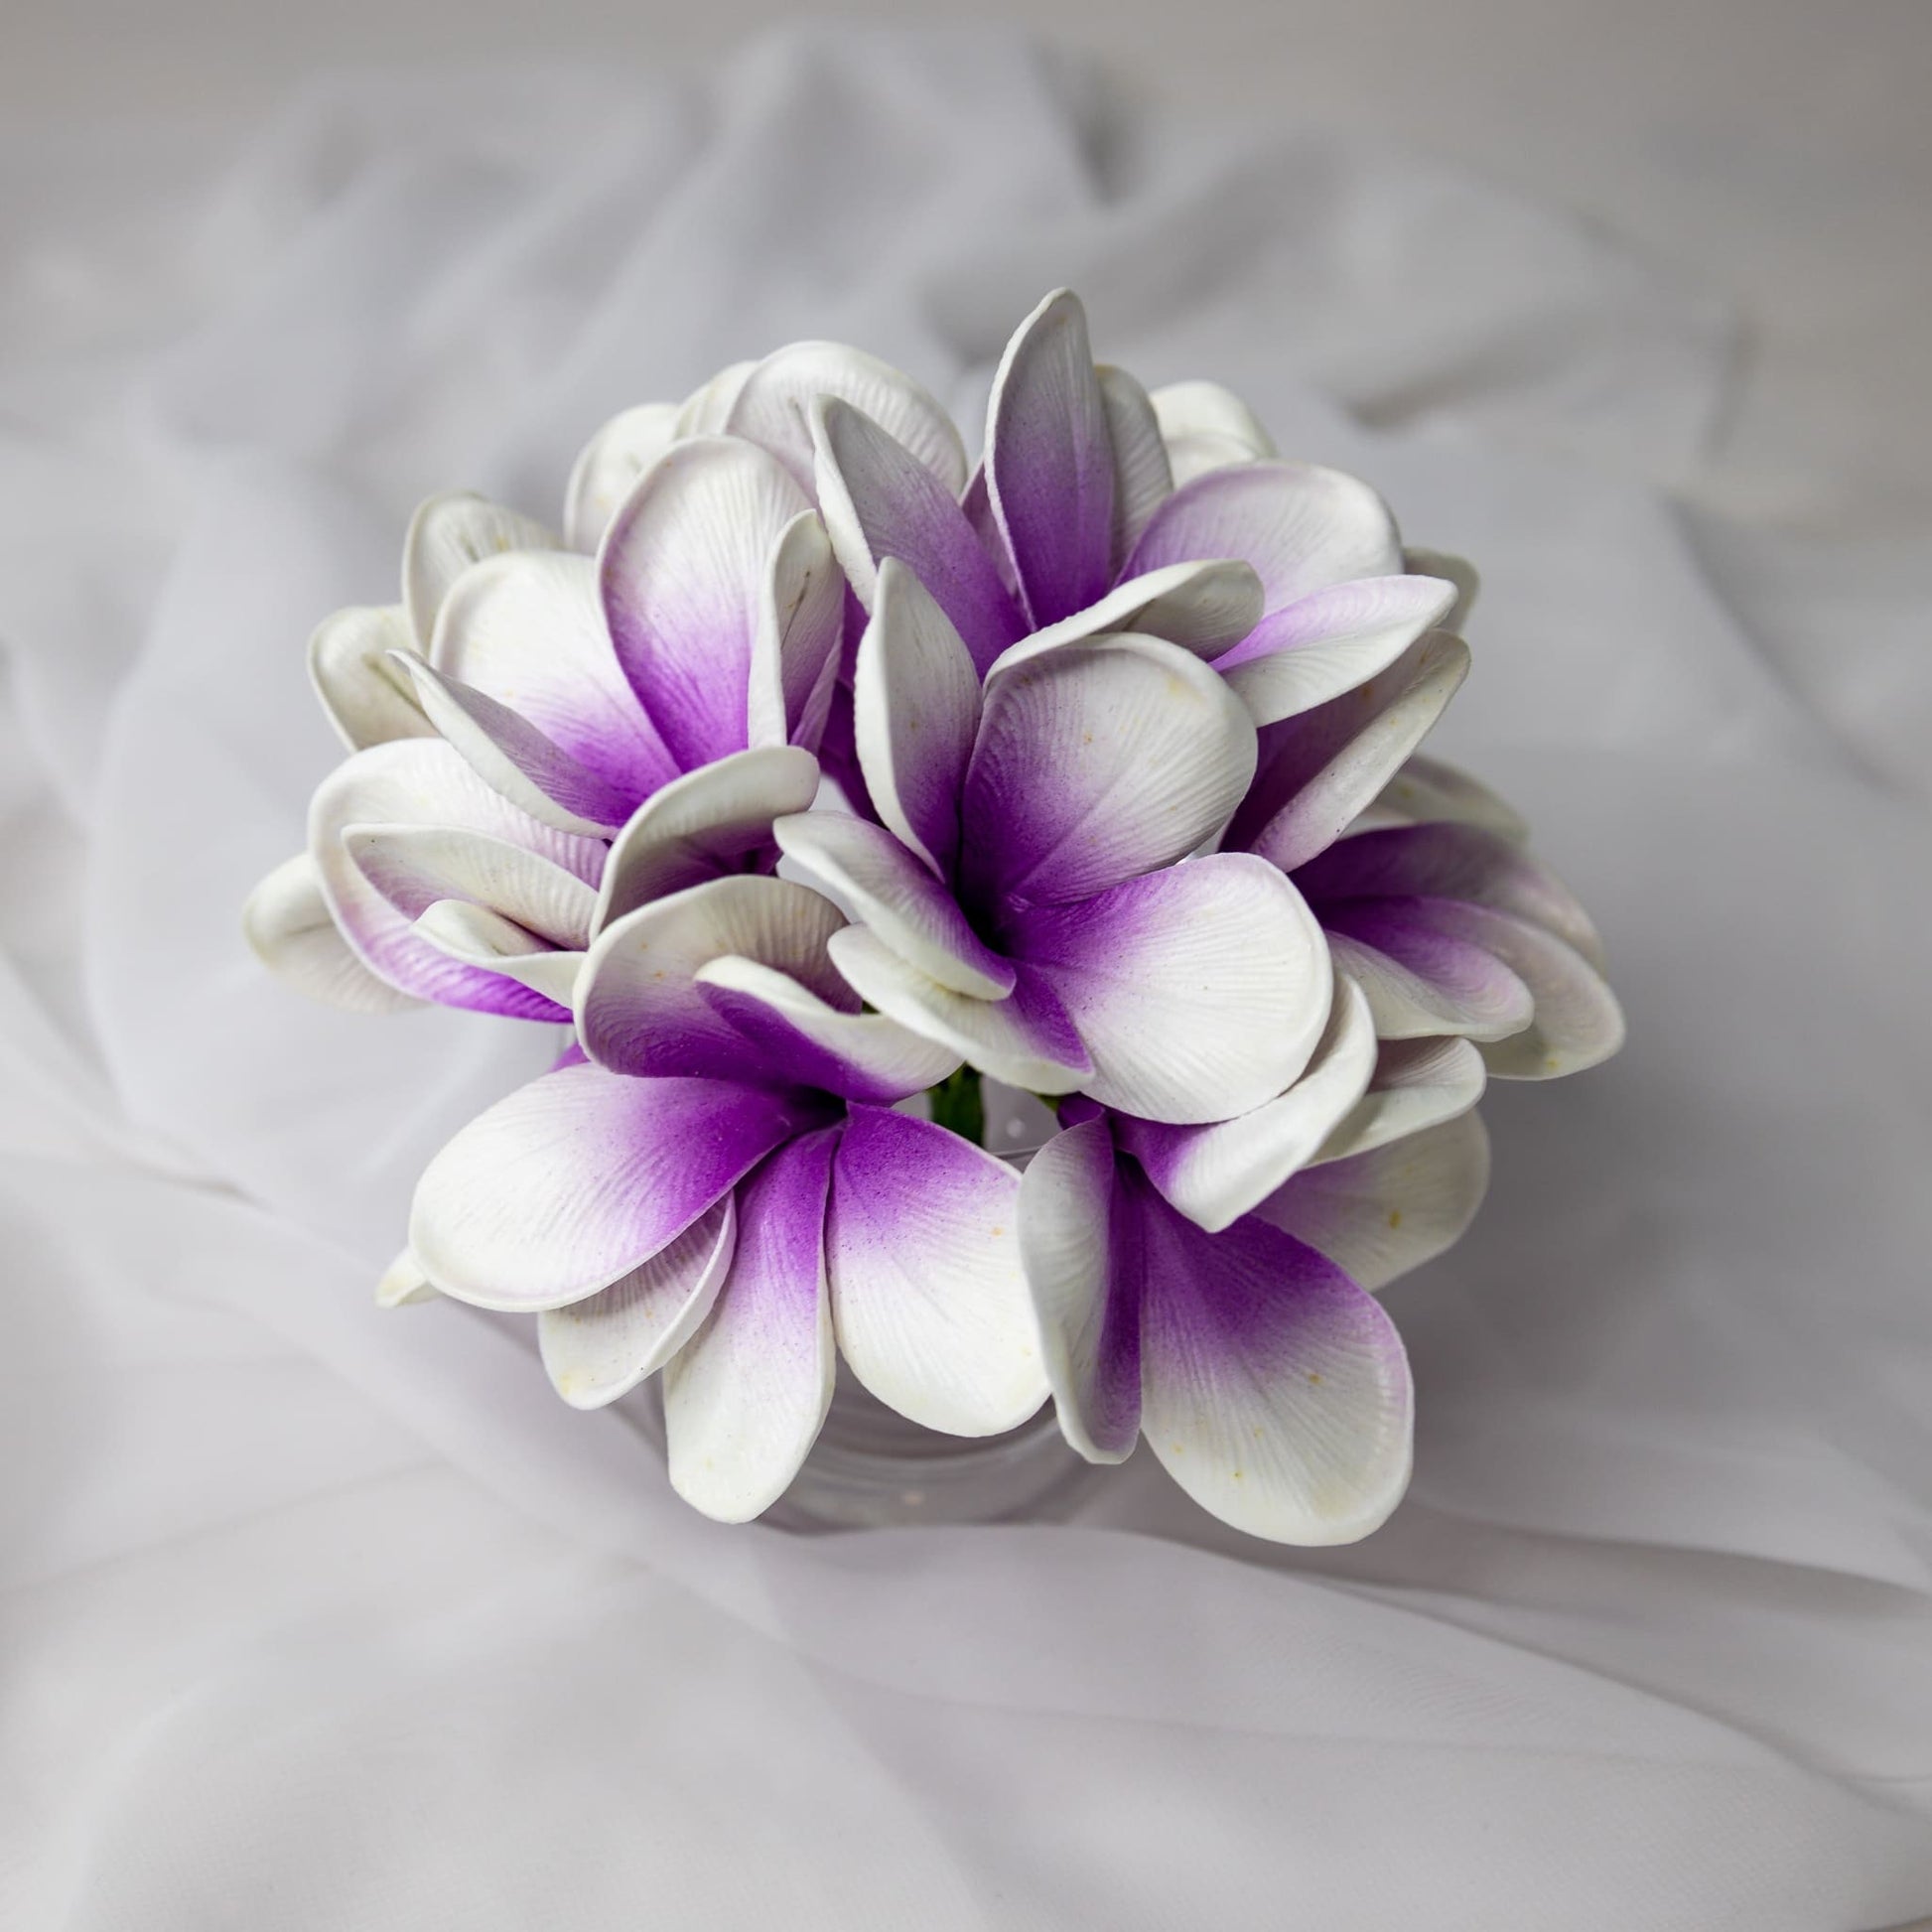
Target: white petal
[703, 824]
[880, 884]
[705, 411]
[863, 1055]
[1330, 641]
[288, 924]
[1466, 992]
[1089, 1321]
[423, 783]
[795, 648]
[746, 1397]
[916, 703]
[1011, 1039]
[1197, 452]
[1197, 408]
[1200, 992]
[528, 630]
[1459, 571]
[1426, 790]
[1417, 1084]
[610, 464]
[685, 572]
[446, 536]
[1143, 476]
[404, 1284]
[638, 1006]
[1216, 1174]
[1378, 1214]
[512, 757]
[599, 1349]
[368, 697]
[1204, 607]
[1353, 745]
[414, 866]
[929, 1299]
[773, 406]
[480, 937]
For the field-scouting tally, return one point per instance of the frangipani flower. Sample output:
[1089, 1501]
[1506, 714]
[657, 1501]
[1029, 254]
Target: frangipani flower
[1288, 577]
[1447, 922]
[579, 736]
[723, 1190]
[1268, 1381]
[1025, 901]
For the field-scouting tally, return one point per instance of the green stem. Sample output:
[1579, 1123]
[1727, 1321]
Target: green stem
[957, 1103]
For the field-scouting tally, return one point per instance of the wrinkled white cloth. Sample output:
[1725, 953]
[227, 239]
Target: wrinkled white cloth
[319, 1617]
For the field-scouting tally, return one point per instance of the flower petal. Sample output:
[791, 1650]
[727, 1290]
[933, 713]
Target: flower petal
[639, 1009]
[480, 937]
[1450, 862]
[368, 697]
[414, 866]
[1185, 409]
[1025, 1039]
[1459, 571]
[1329, 641]
[1576, 1020]
[1417, 1083]
[1049, 461]
[512, 757]
[1216, 1174]
[1428, 790]
[1321, 769]
[746, 1397]
[707, 410]
[1081, 1268]
[424, 783]
[880, 883]
[708, 823]
[879, 500]
[601, 1348]
[1200, 992]
[1423, 981]
[773, 406]
[581, 1177]
[915, 700]
[804, 1040]
[929, 1299]
[684, 570]
[1380, 1213]
[1096, 763]
[608, 467]
[795, 647]
[1143, 476]
[1275, 1392]
[288, 924]
[1303, 527]
[528, 630]
[1204, 607]
[448, 534]
[403, 1284]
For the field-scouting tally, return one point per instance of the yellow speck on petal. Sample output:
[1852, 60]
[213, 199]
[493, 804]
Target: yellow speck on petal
[996, 1232]
[1394, 1217]
[1314, 1380]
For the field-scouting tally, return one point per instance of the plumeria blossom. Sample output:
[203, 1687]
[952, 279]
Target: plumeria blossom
[1029, 901]
[1290, 577]
[541, 741]
[723, 1190]
[809, 766]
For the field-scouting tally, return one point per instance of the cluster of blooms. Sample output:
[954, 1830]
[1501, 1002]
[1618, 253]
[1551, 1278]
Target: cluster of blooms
[808, 777]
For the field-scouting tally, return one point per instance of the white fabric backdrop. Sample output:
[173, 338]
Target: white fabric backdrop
[319, 1617]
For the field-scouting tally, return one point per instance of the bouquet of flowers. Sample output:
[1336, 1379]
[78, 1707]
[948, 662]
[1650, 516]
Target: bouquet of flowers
[812, 779]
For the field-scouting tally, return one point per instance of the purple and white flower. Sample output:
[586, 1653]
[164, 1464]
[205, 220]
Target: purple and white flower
[1126, 808]
[724, 1192]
